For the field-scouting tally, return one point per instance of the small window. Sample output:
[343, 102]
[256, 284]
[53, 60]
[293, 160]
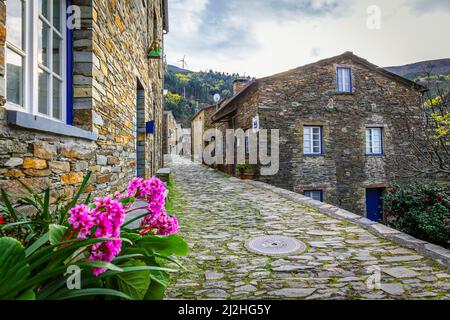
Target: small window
[312, 140]
[344, 80]
[314, 194]
[247, 143]
[374, 141]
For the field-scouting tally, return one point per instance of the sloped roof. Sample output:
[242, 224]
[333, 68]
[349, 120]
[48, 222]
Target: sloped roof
[224, 106]
[201, 110]
[350, 55]
[225, 109]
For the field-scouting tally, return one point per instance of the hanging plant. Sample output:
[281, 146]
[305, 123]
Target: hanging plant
[155, 50]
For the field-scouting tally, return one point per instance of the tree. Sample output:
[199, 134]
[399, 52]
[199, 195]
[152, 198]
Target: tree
[428, 136]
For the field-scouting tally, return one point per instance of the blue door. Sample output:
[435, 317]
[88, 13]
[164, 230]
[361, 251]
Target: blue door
[374, 204]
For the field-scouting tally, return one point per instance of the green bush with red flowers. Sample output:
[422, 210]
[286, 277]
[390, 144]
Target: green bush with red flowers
[421, 210]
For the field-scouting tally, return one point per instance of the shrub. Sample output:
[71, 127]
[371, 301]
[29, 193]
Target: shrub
[92, 237]
[421, 210]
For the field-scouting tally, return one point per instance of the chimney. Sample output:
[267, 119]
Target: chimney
[239, 84]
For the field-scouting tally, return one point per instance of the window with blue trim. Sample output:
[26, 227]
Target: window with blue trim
[36, 50]
[374, 141]
[312, 140]
[344, 80]
[314, 194]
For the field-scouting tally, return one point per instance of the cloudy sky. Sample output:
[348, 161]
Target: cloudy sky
[263, 37]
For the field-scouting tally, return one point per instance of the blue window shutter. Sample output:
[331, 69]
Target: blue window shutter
[150, 127]
[69, 70]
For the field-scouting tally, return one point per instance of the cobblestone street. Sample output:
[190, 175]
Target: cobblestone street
[218, 214]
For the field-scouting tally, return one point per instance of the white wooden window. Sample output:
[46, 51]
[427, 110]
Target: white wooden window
[36, 57]
[312, 140]
[344, 80]
[374, 145]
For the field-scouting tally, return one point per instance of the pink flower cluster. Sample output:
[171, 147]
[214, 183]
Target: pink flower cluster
[154, 192]
[108, 216]
[160, 224]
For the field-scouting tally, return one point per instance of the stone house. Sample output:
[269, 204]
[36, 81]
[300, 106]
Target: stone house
[199, 125]
[340, 123]
[170, 133]
[93, 102]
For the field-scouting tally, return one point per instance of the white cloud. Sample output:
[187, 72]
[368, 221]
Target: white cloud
[262, 37]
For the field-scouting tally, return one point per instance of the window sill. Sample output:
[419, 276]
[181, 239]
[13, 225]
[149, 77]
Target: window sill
[345, 93]
[375, 155]
[313, 155]
[28, 121]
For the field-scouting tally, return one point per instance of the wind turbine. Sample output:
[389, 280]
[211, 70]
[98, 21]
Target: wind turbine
[183, 61]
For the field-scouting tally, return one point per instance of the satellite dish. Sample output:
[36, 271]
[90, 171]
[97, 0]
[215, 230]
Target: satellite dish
[216, 98]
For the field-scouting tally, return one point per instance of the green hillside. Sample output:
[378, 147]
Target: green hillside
[189, 92]
[434, 74]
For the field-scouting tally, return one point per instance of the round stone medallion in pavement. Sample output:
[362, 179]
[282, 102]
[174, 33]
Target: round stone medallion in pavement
[275, 246]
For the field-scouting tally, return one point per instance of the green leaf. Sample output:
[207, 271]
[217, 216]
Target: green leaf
[46, 206]
[9, 207]
[88, 199]
[100, 264]
[136, 283]
[27, 295]
[37, 244]
[56, 233]
[67, 294]
[33, 194]
[161, 277]
[14, 269]
[68, 248]
[132, 236]
[128, 256]
[16, 224]
[155, 291]
[164, 246]
[75, 198]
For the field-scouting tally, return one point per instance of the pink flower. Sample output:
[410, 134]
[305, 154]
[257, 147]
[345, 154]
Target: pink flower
[160, 224]
[134, 186]
[81, 218]
[108, 216]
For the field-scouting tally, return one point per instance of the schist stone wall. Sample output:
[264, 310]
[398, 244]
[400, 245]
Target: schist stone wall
[116, 90]
[199, 125]
[307, 96]
[169, 132]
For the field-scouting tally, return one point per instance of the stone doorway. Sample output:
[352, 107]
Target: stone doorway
[141, 131]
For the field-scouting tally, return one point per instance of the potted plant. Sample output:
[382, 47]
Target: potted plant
[245, 171]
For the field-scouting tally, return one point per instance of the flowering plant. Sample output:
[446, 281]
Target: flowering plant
[115, 260]
[419, 209]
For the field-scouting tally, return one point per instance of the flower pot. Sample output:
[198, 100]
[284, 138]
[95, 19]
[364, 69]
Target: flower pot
[247, 175]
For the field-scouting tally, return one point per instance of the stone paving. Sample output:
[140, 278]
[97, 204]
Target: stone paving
[218, 214]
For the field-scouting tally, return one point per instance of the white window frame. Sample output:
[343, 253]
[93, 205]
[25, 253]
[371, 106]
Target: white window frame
[311, 141]
[340, 81]
[31, 66]
[24, 53]
[372, 144]
[312, 193]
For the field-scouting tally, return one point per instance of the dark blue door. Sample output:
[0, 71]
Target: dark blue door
[374, 204]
